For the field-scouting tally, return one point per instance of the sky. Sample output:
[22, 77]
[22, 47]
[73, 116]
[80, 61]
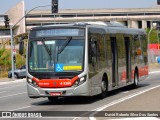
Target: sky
[80, 4]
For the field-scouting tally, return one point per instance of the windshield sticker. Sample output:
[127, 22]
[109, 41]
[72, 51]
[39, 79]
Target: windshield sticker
[39, 43]
[62, 67]
[50, 42]
[72, 68]
[59, 67]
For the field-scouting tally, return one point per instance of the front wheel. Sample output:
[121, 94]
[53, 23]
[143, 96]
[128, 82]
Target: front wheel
[104, 88]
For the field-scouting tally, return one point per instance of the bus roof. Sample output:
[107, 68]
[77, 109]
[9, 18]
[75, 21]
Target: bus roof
[109, 27]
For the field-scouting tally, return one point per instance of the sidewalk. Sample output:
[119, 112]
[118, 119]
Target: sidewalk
[154, 67]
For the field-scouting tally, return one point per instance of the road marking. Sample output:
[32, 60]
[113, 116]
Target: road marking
[15, 81]
[13, 95]
[154, 72]
[10, 87]
[91, 117]
[20, 108]
[3, 91]
[125, 92]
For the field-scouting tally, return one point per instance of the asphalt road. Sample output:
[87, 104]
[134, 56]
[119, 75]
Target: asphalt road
[13, 97]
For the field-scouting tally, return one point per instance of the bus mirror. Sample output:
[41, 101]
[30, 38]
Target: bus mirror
[21, 47]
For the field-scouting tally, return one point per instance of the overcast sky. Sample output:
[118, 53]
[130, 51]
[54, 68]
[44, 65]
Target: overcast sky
[80, 4]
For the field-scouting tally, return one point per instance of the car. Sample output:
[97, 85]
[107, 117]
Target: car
[18, 73]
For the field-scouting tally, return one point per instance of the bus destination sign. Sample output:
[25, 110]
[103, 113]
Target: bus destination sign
[59, 32]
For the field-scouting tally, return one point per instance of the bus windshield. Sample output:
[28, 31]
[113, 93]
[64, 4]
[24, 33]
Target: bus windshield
[56, 55]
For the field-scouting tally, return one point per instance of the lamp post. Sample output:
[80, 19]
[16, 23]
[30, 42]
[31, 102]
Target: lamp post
[11, 32]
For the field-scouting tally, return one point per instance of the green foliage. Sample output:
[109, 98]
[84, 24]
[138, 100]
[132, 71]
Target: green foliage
[5, 61]
[5, 58]
[1, 51]
[153, 36]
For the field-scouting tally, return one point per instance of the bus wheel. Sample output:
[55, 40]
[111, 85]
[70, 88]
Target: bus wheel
[52, 99]
[136, 80]
[104, 87]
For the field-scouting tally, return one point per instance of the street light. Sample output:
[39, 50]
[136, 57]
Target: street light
[11, 32]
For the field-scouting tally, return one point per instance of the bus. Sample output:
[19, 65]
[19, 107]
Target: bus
[84, 59]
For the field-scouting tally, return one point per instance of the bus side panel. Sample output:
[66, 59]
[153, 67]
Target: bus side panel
[97, 58]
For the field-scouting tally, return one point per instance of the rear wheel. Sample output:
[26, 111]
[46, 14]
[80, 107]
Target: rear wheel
[52, 99]
[136, 80]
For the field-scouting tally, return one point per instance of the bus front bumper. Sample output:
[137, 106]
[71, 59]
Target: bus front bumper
[36, 92]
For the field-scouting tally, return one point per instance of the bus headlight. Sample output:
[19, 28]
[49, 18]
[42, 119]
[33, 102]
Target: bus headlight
[79, 81]
[32, 82]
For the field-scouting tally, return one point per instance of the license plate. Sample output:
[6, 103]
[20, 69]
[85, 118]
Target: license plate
[55, 93]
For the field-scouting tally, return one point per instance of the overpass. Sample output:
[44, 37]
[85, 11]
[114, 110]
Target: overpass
[132, 17]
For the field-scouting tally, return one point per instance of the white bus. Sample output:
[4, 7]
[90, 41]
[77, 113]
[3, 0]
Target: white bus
[84, 59]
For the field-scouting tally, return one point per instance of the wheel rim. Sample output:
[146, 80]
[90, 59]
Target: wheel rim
[104, 87]
[15, 76]
[136, 80]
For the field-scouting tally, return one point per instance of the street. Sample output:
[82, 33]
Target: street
[13, 97]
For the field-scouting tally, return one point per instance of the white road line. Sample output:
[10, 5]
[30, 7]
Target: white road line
[13, 95]
[118, 101]
[10, 87]
[3, 91]
[20, 108]
[9, 82]
[154, 72]
[91, 117]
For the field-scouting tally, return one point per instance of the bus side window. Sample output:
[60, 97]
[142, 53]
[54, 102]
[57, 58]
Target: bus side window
[93, 52]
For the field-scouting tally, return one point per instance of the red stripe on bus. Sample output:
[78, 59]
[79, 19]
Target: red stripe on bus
[55, 83]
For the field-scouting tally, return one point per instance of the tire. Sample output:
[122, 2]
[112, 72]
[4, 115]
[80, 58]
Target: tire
[104, 88]
[16, 76]
[9, 76]
[136, 80]
[52, 99]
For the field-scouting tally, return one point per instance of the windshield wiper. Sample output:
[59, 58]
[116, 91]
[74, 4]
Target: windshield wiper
[46, 47]
[65, 44]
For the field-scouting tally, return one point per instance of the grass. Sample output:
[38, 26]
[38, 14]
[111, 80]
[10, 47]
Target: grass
[5, 61]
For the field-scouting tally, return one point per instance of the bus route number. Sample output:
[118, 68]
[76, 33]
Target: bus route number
[65, 84]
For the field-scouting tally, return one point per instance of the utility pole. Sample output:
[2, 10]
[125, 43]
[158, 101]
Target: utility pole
[11, 32]
[6, 21]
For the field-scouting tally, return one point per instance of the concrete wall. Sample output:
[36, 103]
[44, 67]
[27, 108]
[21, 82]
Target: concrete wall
[15, 14]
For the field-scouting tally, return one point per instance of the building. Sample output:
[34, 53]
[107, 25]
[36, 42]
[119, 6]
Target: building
[133, 18]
